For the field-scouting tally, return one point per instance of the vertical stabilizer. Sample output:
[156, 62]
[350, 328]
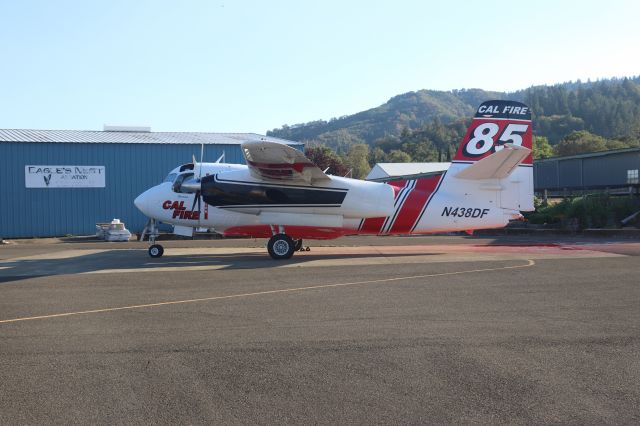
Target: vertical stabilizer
[490, 180]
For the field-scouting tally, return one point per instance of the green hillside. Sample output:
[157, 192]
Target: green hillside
[411, 110]
[427, 124]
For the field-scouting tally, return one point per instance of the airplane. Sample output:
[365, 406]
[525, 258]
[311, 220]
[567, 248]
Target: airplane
[281, 195]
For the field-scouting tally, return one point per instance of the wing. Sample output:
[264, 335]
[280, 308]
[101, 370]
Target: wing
[276, 161]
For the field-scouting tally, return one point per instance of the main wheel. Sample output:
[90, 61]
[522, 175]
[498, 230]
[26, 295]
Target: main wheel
[156, 250]
[298, 245]
[280, 246]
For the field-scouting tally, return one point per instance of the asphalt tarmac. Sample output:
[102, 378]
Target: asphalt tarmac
[386, 330]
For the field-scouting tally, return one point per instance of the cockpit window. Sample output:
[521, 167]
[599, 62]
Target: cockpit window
[178, 182]
[170, 177]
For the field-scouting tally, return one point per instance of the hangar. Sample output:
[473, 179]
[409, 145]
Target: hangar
[614, 170]
[383, 172]
[63, 182]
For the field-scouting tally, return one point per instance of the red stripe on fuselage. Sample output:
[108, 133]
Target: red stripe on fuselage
[414, 204]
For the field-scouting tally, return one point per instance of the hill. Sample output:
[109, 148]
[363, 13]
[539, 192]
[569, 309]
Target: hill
[608, 108]
[410, 110]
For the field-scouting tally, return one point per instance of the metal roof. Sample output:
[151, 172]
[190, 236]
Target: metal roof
[392, 170]
[95, 136]
[588, 155]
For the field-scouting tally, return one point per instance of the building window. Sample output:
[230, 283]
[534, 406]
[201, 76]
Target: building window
[632, 176]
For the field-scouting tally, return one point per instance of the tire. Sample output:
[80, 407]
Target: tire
[298, 245]
[156, 250]
[280, 247]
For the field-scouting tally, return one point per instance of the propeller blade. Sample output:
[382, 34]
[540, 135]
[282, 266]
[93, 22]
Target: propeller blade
[197, 199]
[201, 160]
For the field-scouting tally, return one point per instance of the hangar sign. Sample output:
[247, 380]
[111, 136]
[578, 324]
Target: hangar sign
[64, 176]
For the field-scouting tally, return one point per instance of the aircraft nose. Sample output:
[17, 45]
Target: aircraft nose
[142, 202]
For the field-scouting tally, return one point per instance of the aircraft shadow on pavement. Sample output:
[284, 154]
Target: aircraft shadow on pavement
[262, 260]
[15, 270]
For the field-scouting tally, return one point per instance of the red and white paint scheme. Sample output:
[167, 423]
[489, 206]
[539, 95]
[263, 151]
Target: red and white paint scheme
[283, 196]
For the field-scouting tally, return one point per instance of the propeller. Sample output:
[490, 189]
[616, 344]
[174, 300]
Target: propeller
[197, 199]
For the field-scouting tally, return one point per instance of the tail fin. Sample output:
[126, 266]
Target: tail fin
[495, 124]
[489, 182]
[496, 154]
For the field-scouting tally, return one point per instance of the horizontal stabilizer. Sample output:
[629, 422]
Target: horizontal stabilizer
[498, 165]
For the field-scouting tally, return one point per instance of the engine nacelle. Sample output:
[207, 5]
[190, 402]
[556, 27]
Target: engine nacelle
[239, 191]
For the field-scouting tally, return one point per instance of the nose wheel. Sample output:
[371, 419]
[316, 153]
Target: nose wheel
[156, 250]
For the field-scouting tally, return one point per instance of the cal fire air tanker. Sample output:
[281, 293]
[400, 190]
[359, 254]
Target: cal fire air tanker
[281, 195]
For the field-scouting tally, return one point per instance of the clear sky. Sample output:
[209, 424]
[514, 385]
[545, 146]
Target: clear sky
[250, 66]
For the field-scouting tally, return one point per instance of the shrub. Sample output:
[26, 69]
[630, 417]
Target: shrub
[597, 211]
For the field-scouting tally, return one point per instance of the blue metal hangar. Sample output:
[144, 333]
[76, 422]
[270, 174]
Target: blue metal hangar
[614, 170]
[63, 182]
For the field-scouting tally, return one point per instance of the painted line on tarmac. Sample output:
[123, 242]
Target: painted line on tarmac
[262, 293]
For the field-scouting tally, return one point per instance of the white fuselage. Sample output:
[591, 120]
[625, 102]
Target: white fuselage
[451, 204]
[362, 199]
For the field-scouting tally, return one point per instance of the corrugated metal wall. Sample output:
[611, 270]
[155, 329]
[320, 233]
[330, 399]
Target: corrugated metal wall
[570, 173]
[599, 171]
[545, 174]
[129, 170]
[610, 170]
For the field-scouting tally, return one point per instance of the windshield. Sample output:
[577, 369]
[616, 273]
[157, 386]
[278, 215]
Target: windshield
[170, 177]
[181, 178]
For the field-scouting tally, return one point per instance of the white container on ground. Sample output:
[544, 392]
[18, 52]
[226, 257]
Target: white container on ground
[117, 231]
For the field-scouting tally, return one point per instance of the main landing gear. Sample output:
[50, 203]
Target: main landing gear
[151, 231]
[281, 246]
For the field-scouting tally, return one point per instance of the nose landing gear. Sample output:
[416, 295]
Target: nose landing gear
[151, 231]
[156, 250]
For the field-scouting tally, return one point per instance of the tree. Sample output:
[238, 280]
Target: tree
[397, 156]
[542, 148]
[376, 156]
[615, 144]
[324, 157]
[357, 160]
[581, 142]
